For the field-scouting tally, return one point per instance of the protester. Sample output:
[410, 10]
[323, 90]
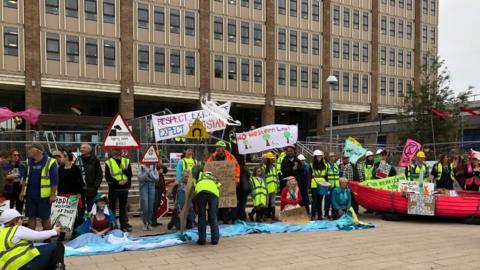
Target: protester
[346, 168]
[365, 169]
[259, 195]
[383, 168]
[243, 189]
[443, 173]
[159, 191]
[15, 172]
[419, 169]
[180, 202]
[303, 181]
[290, 165]
[118, 173]
[472, 181]
[4, 162]
[317, 184]
[40, 186]
[147, 177]
[281, 156]
[101, 220]
[459, 167]
[270, 175]
[91, 172]
[187, 162]
[332, 178]
[17, 247]
[291, 195]
[341, 198]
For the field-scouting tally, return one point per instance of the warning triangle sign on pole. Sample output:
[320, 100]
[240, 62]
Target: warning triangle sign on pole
[197, 130]
[119, 135]
[150, 156]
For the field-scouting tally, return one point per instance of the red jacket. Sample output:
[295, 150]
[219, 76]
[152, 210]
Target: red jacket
[286, 200]
[228, 156]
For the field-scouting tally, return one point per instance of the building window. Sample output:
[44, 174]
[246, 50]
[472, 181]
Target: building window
[383, 55]
[401, 3]
[245, 3]
[190, 23]
[315, 10]
[409, 30]
[337, 75]
[336, 15]
[346, 49]
[356, 51]
[142, 16]
[281, 74]
[391, 89]
[400, 58]
[336, 48]
[400, 28]
[304, 42]
[10, 3]
[245, 32]
[159, 59]
[304, 77]
[409, 4]
[257, 71]
[190, 63]
[293, 41]
[109, 53]
[409, 60]
[346, 82]
[293, 75]
[365, 53]
[257, 4]
[10, 41]
[432, 35]
[392, 27]
[346, 17]
[91, 10]
[245, 70]
[315, 44]
[91, 54]
[281, 39]
[409, 87]
[175, 61]
[304, 9]
[159, 19]
[392, 57]
[425, 6]
[383, 86]
[383, 25]
[232, 2]
[365, 21]
[365, 84]
[109, 11]
[281, 7]
[356, 19]
[51, 6]
[257, 34]
[218, 28]
[71, 8]
[400, 88]
[143, 62]
[174, 21]
[218, 66]
[433, 7]
[53, 46]
[356, 83]
[232, 68]
[232, 31]
[293, 8]
[315, 78]
[424, 34]
[72, 49]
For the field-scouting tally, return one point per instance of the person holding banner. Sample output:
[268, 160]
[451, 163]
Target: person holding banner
[270, 175]
[443, 173]
[333, 179]
[383, 168]
[341, 198]
[318, 184]
[418, 171]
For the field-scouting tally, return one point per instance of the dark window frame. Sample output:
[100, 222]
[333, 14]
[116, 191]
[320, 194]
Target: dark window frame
[143, 55]
[53, 40]
[245, 69]
[218, 66]
[72, 49]
[175, 62]
[90, 14]
[190, 63]
[52, 7]
[71, 10]
[159, 59]
[91, 45]
[109, 17]
[175, 21]
[109, 47]
[257, 71]
[159, 18]
[10, 48]
[232, 68]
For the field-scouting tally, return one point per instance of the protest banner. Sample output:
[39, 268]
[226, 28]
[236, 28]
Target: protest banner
[422, 205]
[409, 150]
[353, 150]
[390, 183]
[296, 215]
[176, 125]
[266, 138]
[64, 212]
[225, 172]
[413, 187]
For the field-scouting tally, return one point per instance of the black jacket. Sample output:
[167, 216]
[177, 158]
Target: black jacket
[287, 167]
[112, 183]
[70, 180]
[93, 174]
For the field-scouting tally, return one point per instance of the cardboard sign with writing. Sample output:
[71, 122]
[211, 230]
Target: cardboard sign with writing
[119, 135]
[419, 204]
[225, 172]
[297, 215]
[409, 150]
[64, 212]
[413, 187]
[197, 130]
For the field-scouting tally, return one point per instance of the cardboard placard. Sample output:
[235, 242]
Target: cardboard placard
[419, 204]
[413, 187]
[189, 194]
[297, 215]
[64, 212]
[225, 172]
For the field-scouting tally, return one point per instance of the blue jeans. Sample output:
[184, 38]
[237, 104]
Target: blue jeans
[147, 199]
[203, 199]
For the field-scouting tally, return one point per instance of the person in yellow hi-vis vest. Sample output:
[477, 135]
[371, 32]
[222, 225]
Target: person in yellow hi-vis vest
[259, 195]
[318, 184]
[17, 250]
[419, 169]
[39, 188]
[270, 175]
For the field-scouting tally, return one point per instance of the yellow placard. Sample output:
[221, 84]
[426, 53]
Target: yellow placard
[197, 131]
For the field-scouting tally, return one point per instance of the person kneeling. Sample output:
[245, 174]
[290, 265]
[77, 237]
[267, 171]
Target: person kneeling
[18, 252]
[259, 195]
[341, 198]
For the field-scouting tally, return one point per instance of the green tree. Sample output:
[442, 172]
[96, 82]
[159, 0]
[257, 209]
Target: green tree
[434, 92]
[266, 137]
[287, 135]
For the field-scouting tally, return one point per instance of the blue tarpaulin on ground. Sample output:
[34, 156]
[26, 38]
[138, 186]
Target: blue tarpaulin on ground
[117, 241]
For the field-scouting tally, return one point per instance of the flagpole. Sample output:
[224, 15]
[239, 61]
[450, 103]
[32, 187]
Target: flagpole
[433, 136]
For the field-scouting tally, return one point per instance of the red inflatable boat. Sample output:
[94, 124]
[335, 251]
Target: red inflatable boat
[466, 205]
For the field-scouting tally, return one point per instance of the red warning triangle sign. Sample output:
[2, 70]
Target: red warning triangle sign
[150, 156]
[119, 136]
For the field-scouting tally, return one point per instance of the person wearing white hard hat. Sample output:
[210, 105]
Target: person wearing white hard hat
[333, 178]
[318, 184]
[18, 252]
[303, 181]
[365, 169]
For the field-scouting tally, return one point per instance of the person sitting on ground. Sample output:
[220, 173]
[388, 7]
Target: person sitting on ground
[259, 195]
[101, 220]
[18, 252]
[341, 198]
[180, 202]
[291, 195]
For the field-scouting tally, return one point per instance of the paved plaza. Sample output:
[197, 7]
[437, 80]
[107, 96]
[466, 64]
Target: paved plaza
[419, 244]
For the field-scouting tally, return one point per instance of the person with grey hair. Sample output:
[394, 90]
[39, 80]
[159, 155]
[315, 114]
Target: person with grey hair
[341, 198]
[92, 174]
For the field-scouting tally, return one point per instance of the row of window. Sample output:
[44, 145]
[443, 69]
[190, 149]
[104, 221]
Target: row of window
[72, 49]
[351, 81]
[90, 9]
[257, 4]
[396, 25]
[159, 19]
[401, 3]
[355, 18]
[159, 62]
[348, 47]
[293, 38]
[304, 5]
[232, 65]
[218, 29]
[401, 87]
[433, 31]
[396, 55]
[304, 71]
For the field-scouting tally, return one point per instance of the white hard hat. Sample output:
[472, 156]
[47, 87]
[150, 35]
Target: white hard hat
[301, 157]
[379, 151]
[318, 153]
[8, 215]
[369, 153]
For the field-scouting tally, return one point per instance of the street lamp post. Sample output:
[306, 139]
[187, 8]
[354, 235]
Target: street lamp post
[331, 80]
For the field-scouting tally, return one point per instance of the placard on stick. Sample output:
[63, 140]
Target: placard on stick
[150, 156]
[225, 172]
[295, 216]
[119, 135]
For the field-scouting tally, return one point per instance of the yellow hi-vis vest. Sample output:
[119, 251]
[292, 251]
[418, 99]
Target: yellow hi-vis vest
[414, 172]
[209, 183]
[333, 175]
[440, 171]
[115, 171]
[14, 256]
[259, 192]
[45, 182]
[317, 177]
[271, 179]
[280, 159]
[188, 164]
[368, 172]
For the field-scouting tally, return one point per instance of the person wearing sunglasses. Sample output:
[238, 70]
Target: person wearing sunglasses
[15, 172]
